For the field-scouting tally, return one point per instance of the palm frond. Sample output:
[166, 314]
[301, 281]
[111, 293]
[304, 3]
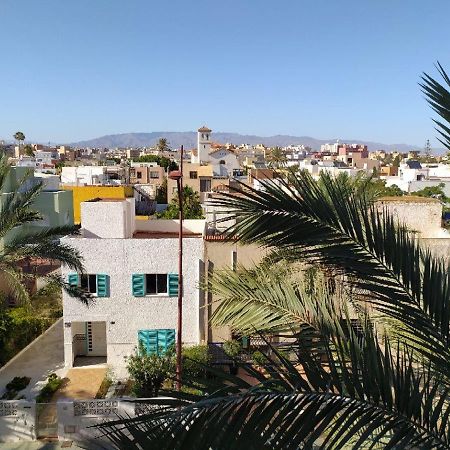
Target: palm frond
[438, 97]
[330, 224]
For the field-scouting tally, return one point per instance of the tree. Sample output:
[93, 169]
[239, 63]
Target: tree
[28, 150]
[161, 192]
[277, 157]
[382, 384]
[21, 241]
[162, 161]
[19, 137]
[162, 145]
[192, 208]
[433, 192]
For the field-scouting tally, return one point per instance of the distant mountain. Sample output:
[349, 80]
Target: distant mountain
[189, 140]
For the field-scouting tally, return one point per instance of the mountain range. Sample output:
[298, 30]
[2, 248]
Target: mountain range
[189, 140]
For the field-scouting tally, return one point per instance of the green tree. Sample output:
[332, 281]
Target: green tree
[21, 241]
[161, 192]
[163, 145]
[277, 158]
[162, 161]
[192, 208]
[28, 150]
[19, 137]
[433, 192]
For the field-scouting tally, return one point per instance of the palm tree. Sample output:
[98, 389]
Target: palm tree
[384, 384]
[277, 158]
[20, 241]
[19, 137]
[163, 145]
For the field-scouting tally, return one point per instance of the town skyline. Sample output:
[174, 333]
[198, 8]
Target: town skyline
[344, 69]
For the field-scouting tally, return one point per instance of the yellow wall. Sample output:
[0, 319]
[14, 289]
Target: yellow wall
[85, 193]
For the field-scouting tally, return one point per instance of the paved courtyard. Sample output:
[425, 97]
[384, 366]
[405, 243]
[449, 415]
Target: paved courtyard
[44, 356]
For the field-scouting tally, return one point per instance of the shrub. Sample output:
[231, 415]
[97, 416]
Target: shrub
[106, 383]
[259, 359]
[232, 348]
[148, 372]
[53, 384]
[18, 383]
[194, 358]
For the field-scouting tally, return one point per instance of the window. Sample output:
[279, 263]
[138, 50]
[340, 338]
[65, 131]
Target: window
[95, 284]
[154, 174]
[205, 185]
[139, 175]
[155, 283]
[174, 190]
[148, 284]
[193, 175]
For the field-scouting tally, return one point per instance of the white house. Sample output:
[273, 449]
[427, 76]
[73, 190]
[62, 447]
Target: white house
[132, 272]
[92, 175]
[225, 162]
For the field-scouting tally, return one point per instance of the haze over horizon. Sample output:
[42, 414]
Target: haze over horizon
[80, 70]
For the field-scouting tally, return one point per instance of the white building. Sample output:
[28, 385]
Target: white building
[92, 175]
[413, 177]
[132, 271]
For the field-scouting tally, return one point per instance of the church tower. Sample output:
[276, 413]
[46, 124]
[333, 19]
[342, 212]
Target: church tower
[203, 145]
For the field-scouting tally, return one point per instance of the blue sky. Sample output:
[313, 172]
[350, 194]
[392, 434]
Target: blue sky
[78, 69]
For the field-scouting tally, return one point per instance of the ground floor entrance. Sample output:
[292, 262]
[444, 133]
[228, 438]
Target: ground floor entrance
[89, 340]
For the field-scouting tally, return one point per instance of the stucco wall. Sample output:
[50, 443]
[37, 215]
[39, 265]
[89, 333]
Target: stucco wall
[219, 255]
[120, 258]
[422, 215]
[85, 193]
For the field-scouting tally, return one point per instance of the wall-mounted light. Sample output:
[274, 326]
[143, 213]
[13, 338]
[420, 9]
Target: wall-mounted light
[67, 324]
[112, 323]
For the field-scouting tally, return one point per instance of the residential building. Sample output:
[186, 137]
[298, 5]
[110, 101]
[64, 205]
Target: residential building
[93, 175]
[199, 177]
[136, 290]
[147, 173]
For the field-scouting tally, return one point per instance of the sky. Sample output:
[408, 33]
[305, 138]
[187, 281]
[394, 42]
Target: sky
[80, 69]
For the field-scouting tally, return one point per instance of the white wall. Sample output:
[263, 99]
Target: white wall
[17, 420]
[120, 258]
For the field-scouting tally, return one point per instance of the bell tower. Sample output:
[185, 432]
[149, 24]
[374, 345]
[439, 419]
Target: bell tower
[203, 145]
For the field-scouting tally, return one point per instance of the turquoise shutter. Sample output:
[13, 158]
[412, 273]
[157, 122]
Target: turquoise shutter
[172, 283]
[72, 279]
[102, 285]
[138, 284]
[149, 339]
[157, 342]
[166, 339]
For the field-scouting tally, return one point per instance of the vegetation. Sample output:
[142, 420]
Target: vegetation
[19, 137]
[53, 384]
[386, 191]
[195, 358]
[104, 387]
[162, 161]
[161, 193]
[232, 348]
[22, 241]
[149, 372]
[369, 366]
[163, 145]
[14, 386]
[28, 149]
[433, 192]
[192, 208]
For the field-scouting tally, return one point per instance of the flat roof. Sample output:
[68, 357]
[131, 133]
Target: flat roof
[164, 235]
[408, 199]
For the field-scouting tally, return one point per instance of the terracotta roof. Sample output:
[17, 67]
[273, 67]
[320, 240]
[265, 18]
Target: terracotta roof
[204, 129]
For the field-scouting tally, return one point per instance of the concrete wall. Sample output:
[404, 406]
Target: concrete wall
[17, 421]
[423, 215]
[170, 226]
[219, 255]
[123, 313]
[85, 193]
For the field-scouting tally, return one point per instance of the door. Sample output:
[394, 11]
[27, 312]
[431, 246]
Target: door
[96, 338]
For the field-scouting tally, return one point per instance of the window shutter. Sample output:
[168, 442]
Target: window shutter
[157, 342]
[102, 285]
[72, 279]
[138, 284]
[149, 339]
[172, 283]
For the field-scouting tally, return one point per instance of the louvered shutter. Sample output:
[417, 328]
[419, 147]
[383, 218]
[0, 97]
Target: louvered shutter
[102, 285]
[172, 283]
[138, 284]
